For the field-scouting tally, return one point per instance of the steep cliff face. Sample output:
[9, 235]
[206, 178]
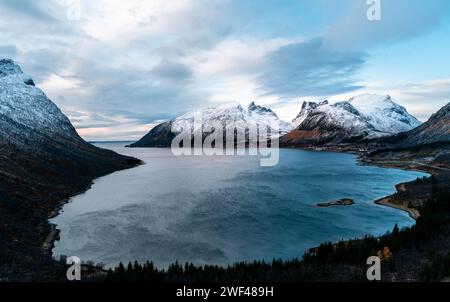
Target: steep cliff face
[43, 161]
[307, 107]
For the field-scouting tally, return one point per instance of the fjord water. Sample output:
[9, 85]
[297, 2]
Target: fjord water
[219, 210]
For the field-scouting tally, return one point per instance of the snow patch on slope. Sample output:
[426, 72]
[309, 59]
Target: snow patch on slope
[368, 114]
[384, 114]
[24, 105]
[307, 107]
[241, 117]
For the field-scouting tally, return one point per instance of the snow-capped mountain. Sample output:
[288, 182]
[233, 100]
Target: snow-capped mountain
[384, 114]
[26, 108]
[38, 144]
[227, 115]
[240, 117]
[435, 130]
[32, 126]
[306, 108]
[362, 117]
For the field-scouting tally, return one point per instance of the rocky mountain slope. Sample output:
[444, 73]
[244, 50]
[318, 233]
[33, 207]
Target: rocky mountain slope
[436, 129]
[241, 117]
[307, 107]
[426, 147]
[361, 118]
[43, 161]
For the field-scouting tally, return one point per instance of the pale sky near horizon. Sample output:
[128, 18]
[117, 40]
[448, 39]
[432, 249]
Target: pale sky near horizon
[117, 67]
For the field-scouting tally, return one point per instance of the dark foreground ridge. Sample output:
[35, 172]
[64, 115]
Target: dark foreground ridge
[43, 163]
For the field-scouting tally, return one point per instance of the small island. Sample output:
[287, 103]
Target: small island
[341, 202]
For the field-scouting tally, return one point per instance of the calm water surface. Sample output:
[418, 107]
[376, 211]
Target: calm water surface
[225, 209]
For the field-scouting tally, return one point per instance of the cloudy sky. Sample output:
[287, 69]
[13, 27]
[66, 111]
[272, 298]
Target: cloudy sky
[118, 67]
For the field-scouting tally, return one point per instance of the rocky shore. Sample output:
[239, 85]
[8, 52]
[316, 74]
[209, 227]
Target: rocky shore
[432, 159]
[390, 202]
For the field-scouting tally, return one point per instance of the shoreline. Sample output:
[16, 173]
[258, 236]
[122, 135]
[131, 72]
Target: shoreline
[53, 236]
[407, 165]
[386, 201]
[48, 244]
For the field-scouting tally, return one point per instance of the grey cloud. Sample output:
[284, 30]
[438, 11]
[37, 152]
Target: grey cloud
[137, 95]
[172, 71]
[43, 62]
[47, 44]
[432, 89]
[309, 68]
[427, 97]
[88, 120]
[8, 51]
[28, 8]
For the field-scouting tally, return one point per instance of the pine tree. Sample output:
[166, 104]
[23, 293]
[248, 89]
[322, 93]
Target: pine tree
[120, 272]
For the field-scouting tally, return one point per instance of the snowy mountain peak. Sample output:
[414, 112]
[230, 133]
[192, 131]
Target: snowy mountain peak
[379, 112]
[230, 115]
[10, 72]
[362, 117]
[250, 115]
[8, 67]
[369, 98]
[306, 109]
[348, 107]
[384, 113]
[27, 106]
[368, 103]
[435, 130]
[252, 107]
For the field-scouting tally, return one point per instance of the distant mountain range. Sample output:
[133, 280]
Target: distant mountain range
[361, 118]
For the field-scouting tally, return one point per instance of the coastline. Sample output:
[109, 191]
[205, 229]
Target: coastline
[53, 235]
[416, 165]
[95, 273]
[404, 203]
[384, 201]
[387, 202]
[49, 243]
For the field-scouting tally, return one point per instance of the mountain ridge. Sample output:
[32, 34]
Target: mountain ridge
[436, 129]
[360, 118]
[242, 117]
